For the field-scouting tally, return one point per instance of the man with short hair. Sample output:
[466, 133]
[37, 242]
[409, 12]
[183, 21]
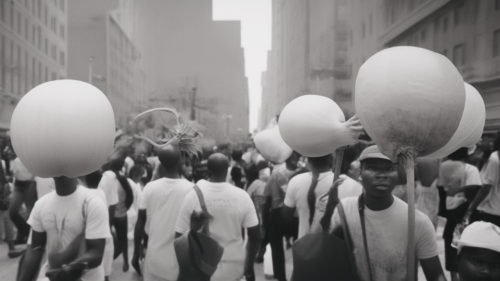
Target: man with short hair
[386, 225]
[231, 209]
[158, 210]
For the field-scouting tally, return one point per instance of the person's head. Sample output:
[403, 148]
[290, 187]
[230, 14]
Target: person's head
[217, 165]
[251, 173]
[136, 172]
[320, 163]
[293, 160]
[379, 175]
[236, 175]
[479, 252]
[460, 154]
[170, 158]
[236, 155]
[117, 163]
[92, 180]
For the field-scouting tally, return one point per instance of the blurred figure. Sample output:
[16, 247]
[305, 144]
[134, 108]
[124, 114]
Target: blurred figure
[22, 182]
[272, 212]
[455, 176]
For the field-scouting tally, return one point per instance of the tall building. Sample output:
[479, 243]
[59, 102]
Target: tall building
[33, 49]
[196, 65]
[465, 31]
[103, 50]
[308, 54]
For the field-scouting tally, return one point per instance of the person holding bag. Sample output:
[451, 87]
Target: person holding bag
[378, 225]
[456, 177]
[231, 209]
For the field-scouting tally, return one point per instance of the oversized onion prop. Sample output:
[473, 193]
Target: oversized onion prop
[471, 125]
[410, 101]
[315, 126]
[183, 135]
[272, 146]
[63, 128]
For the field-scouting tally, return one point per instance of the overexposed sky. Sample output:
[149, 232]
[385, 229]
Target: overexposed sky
[255, 17]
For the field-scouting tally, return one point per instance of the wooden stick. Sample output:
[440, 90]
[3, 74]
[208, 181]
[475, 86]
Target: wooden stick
[410, 183]
[334, 193]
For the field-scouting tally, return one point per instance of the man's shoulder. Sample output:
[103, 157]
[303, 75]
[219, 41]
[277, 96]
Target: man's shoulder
[300, 178]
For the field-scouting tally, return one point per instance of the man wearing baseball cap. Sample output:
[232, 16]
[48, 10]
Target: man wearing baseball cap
[385, 229]
[479, 252]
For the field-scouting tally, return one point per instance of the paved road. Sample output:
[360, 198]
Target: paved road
[8, 266]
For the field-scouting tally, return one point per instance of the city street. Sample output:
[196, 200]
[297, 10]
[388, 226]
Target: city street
[263, 271]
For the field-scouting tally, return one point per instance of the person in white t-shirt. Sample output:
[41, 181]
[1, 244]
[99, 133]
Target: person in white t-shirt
[487, 199]
[386, 221]
[109, 184]
[232, 209]
[303, 193]
[455, 176]
[72, 225]
[158, 210]
[92, 182]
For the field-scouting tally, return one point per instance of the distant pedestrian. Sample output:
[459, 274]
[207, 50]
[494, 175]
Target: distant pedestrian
[158, 210]
[22, 183]
[232, 209]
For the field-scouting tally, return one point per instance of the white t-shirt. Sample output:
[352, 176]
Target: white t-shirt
[162, 201]
[298, 188]
[232, 209]
[489, 175]
[19, 170]
[44, 186]
[110, 184]
[454, 174]
[387, 238]
[62, 218]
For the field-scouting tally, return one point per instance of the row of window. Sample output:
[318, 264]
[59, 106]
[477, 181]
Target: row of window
[15, 20]
[19, 71]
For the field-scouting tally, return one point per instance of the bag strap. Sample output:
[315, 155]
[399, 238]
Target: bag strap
[206, 229]
[361, 208]
[348, 240]
[333, 200]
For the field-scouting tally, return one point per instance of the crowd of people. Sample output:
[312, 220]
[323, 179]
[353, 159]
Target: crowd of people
[244, 202]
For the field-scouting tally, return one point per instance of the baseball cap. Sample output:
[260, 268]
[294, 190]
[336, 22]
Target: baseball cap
[372, 152]
[480, 234]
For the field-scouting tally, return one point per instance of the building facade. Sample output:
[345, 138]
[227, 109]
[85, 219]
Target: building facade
[465, 31]
[308, 55]
[103, 51]
[33, 49]
[196, 65]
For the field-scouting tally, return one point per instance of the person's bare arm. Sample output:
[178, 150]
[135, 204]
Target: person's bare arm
[74, 270]
[480, 196]
[252, 249]
[432, 269]
[138, 237]
[111, 215]
[33, 256]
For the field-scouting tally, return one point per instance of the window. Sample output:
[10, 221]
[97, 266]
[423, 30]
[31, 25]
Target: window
[46, 74]
[496, 43]
[26, 29]
[46, 49]
[445, 24]
[53, 53]
[33, 35]
[497, 5]
[18, 65]
[18, 27]
[63, 5]
[45, 16]
[62, 31]
[2, 69]
[423, 34]
[445, 53]
[11, 16]
[33, 73]
[62, 58]
[457, 15]
[363, 31]
[458, 55]
[415, 40]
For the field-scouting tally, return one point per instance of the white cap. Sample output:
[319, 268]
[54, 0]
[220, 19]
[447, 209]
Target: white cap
[480, 234]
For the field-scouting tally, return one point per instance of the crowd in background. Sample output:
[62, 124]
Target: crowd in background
[463, 186]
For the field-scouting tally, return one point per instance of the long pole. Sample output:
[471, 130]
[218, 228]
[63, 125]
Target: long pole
[333, 198]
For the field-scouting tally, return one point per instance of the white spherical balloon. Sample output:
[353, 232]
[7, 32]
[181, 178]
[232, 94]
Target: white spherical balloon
[271, 146]
[63, 128]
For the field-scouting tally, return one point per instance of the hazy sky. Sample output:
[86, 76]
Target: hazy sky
[255, 17]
